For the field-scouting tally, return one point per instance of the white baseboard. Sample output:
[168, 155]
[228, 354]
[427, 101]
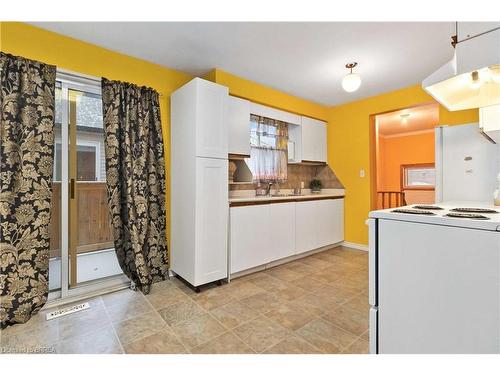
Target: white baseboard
[356, 246]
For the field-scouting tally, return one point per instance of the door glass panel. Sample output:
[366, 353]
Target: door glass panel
[55, 219]
[92, 240]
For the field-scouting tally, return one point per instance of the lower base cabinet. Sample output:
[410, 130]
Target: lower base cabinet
[264, 233]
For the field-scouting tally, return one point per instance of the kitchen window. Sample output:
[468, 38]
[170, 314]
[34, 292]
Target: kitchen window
[268, 149]
[418, 176]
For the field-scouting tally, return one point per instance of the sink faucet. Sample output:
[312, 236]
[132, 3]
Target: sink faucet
[276, 187]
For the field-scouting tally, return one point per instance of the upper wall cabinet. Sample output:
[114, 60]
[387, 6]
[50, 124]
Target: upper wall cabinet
[313, 140]
[238, 122]
[275, 114]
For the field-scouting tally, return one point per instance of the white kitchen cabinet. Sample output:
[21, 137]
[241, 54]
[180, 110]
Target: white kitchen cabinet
[265, 233]
[305, 226]
[275, 114]
[314, 145]
[238, 122]
[318, 223]
[249, 243]
[330, 221]
[211, 220]
[211, 112]
[199, 182]
[281, 231]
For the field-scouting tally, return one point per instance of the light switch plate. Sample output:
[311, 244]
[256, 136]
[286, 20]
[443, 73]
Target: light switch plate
[361, 173]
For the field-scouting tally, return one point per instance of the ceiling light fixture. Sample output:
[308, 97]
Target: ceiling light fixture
[476, 81]
[351, 81]
[404, 118]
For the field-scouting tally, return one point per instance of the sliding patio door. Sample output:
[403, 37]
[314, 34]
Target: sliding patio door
[82, 257]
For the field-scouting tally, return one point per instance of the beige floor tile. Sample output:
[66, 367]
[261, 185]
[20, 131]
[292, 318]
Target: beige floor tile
[124, 296]
[261, 333]
[291, 292]
[165, 297]
[25, 341]
[269, 283]
[299, 267]
[83, 322]
[240, 289]
[233, 314]
[125, 310]
[212, 298]
[161, 342]
[182, 286]
[290, 316]
[360, 346]
[327, 275]
[337, 293]
[226, 343]
[284, 274]
[308, 283]
[366, 335]
[102, 341]
[359, 303]
[315, 263]
[325, 336]
[138, 327]
[351, 320]
[263, 302]
[317, 305]
[292, 345]
[198, 330]
[180, 312]
[357, 282]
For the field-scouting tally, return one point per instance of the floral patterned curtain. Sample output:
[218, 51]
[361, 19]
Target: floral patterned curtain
[135, 174]
[26, 158]
[268, 149]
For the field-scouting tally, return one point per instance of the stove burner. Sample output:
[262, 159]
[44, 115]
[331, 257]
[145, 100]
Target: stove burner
[467, 216]
[425, 207]
[474, 210]
[414, 212]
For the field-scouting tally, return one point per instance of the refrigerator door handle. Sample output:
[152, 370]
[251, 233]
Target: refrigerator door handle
[372, 261]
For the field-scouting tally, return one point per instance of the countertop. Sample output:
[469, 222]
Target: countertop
[244, 197]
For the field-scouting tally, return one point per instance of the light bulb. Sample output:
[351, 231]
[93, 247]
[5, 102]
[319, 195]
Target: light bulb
[495, 73]
[351, 82]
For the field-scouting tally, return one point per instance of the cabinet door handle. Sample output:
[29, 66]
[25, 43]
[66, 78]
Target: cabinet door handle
[72, 189]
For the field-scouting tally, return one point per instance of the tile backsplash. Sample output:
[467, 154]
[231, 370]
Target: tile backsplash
[298, 173]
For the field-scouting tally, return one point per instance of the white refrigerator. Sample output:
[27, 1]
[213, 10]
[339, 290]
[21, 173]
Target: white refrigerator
[199, 182]
[467, 164]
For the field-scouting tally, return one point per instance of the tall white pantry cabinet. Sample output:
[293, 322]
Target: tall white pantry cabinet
[199, 182]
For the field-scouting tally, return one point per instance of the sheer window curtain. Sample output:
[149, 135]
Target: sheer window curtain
[268, 149]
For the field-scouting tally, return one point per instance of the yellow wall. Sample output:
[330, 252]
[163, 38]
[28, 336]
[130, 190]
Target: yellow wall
[265, 95]
[349, 148]
[71, 54]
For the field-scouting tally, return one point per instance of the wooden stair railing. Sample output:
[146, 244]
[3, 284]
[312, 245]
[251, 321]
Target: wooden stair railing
[390, 199]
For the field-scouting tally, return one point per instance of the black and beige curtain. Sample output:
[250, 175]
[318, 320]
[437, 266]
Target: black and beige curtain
[26, 159]
[135, 172]
[268, 149]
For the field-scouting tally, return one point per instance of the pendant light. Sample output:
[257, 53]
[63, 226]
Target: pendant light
[351, 81]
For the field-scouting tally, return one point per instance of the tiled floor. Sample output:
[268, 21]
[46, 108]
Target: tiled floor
[317, 304]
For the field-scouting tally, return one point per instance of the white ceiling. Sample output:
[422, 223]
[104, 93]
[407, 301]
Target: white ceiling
[423, 117]
[304, 59]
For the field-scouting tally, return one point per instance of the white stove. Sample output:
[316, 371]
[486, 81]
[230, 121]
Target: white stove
[476, 215]
[435, 279]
